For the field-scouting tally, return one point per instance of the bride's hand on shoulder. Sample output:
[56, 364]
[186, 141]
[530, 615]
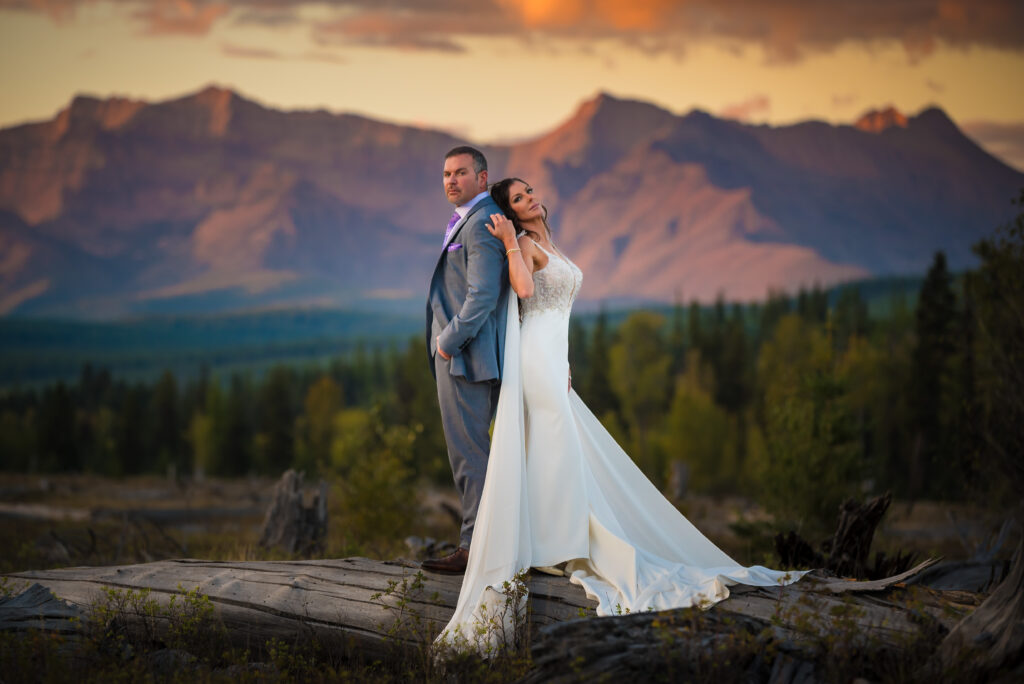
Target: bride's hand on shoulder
[501, 228]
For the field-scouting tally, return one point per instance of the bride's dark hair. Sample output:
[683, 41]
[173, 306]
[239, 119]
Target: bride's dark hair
[499, 192]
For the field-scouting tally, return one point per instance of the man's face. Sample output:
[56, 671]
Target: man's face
[461, 182]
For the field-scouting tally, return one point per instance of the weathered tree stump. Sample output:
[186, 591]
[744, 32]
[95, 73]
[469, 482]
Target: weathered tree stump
[846, 553]
[851, 542]
[678, 480]
[292, 526]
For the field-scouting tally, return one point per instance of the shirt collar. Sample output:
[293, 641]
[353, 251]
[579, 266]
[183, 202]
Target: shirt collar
[464, 209]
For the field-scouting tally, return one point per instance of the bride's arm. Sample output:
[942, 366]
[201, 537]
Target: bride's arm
[522, 255]
[521, 265]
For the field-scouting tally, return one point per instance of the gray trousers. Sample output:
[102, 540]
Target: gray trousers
[467, 409]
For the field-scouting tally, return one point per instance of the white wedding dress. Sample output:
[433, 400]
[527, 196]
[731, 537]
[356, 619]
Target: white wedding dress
[559, 488]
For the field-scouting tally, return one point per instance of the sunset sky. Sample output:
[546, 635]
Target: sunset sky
[496, 70]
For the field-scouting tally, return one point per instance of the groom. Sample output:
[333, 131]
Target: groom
[466, 309]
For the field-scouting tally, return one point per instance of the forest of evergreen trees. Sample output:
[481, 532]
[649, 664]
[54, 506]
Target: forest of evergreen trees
[794, 401]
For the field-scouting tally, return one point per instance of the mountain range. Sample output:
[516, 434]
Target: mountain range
[213, 202]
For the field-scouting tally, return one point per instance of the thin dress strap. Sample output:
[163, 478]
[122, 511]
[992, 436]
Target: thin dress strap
[556, 253]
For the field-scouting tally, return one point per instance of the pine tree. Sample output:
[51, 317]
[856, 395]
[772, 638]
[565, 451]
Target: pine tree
[56, 431]
[236, 432]
[818, 304]
[414, 405]
[276, 412]
[731, 374]
[965, 443]
[132, 446]
[775, 307]
[640, 366]
[997, 290]
[677, 338]
[694, 331]
[850, 317]
[930, 372]
[315, 427]
[600, 397]
[579, 363]
[168, 429]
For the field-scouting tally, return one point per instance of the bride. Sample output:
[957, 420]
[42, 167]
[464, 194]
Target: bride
[559, 489]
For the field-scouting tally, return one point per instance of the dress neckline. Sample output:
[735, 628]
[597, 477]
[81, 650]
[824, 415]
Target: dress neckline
[558, 253]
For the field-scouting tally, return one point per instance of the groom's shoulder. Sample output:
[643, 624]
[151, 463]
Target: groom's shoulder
[481, 212]
[483, 209]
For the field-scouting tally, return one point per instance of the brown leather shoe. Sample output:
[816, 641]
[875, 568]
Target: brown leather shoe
[452, 564]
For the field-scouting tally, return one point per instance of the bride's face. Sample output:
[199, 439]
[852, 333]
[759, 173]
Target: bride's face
[524, 202]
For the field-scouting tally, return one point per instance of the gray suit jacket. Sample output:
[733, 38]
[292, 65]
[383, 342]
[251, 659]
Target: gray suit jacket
[468, 298]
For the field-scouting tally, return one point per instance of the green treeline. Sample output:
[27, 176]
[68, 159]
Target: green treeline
[795, 401]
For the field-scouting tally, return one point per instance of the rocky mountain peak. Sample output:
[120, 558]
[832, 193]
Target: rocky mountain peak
[877, 120]
[108, 114]
[218, 101]
[612, 112]
[936, 121]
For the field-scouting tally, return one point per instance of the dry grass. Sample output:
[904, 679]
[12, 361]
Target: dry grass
[65, 520]
[61, 520]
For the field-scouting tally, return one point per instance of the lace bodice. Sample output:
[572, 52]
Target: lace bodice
[554, 287]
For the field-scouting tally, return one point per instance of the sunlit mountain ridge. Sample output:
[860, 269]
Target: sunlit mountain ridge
[212, 202]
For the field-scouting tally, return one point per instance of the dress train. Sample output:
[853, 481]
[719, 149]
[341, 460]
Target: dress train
[639, 552]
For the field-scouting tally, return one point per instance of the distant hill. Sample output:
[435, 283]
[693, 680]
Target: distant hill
[213, 203]
[36, 351]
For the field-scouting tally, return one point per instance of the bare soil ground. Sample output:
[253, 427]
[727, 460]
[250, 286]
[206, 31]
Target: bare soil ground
[62, 520]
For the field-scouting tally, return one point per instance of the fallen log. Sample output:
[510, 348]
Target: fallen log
[368, 607]
[348, 602]
[818, 630]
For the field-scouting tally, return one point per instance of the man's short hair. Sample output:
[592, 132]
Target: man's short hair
[479, 160]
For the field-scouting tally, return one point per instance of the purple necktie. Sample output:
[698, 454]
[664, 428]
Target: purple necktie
[451, 224]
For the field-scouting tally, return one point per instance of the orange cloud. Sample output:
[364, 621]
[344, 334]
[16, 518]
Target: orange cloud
[232, 50]
[637, 15]
[547, 13]
[785, 29]
[431, 27]
[189, 17]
